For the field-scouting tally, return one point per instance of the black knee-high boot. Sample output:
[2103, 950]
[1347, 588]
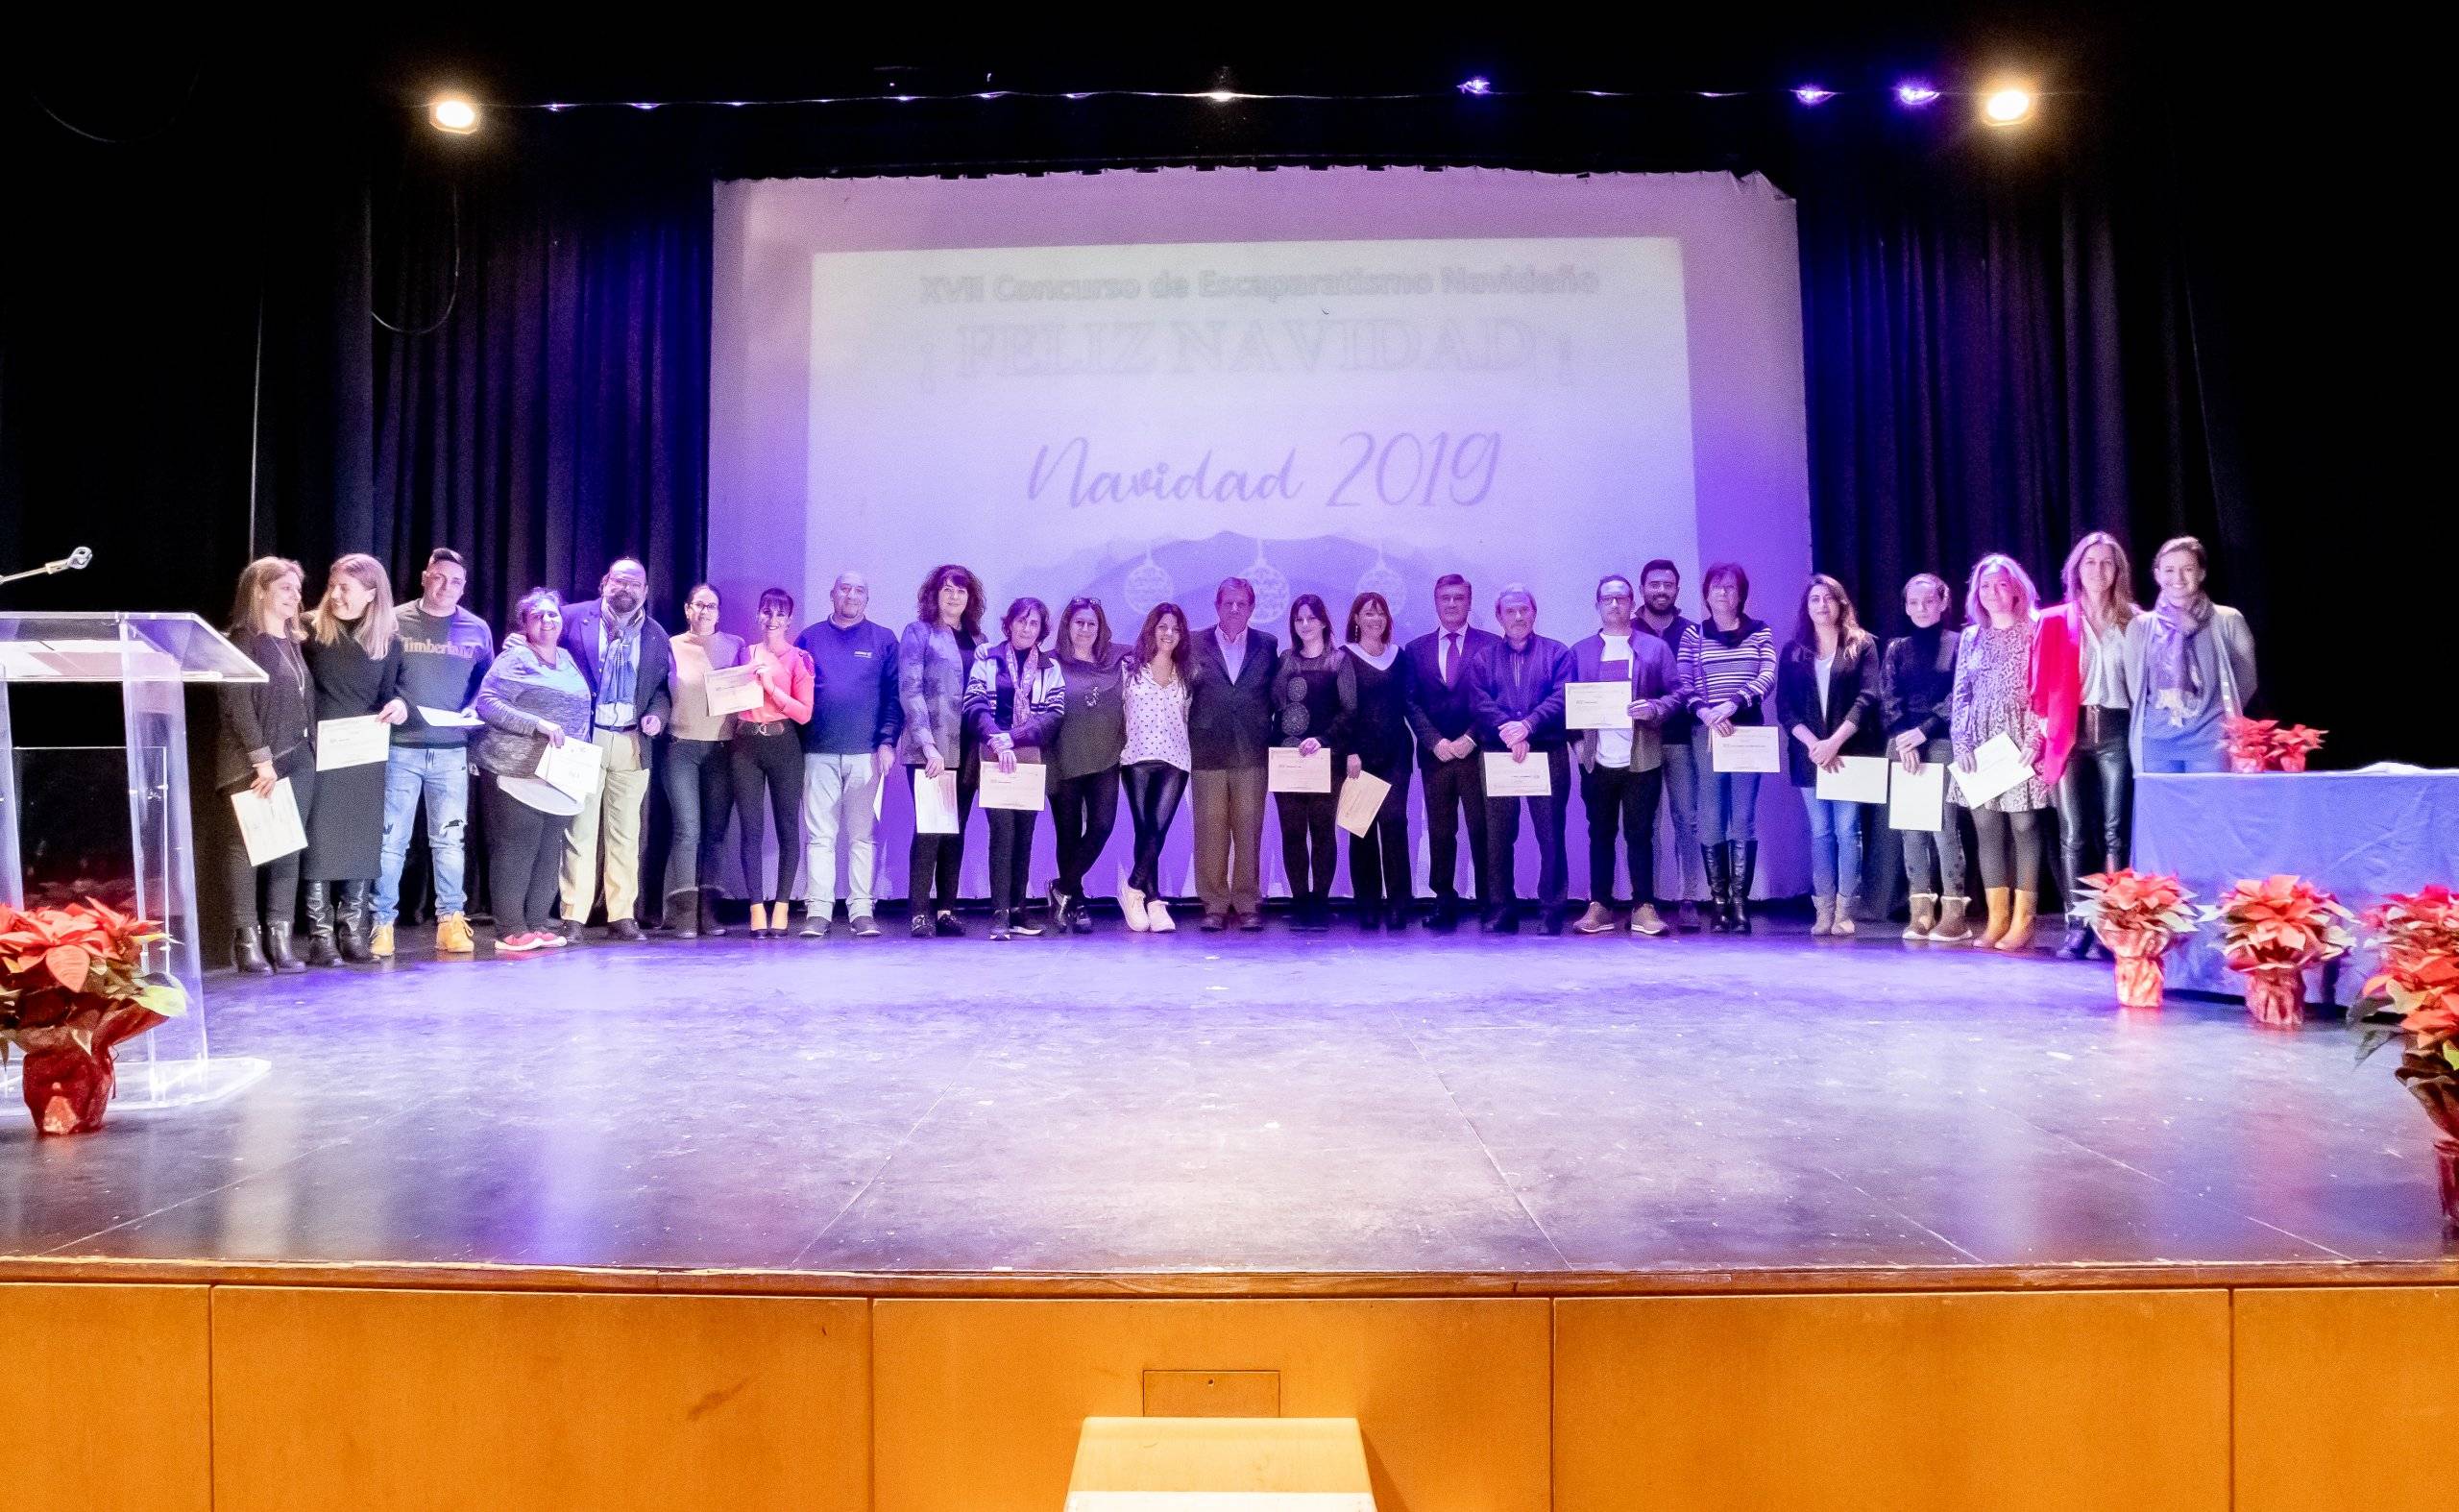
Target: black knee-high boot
[1742, 862]
[321, 948]
[350, 918]
[1712, 860]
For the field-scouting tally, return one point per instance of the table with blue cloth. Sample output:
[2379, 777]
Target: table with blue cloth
[2357, 835]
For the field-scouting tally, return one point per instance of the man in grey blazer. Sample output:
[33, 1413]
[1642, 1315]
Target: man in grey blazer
[1229, 671]
[628, 660]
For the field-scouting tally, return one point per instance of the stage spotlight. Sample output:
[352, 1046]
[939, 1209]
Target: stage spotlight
[1914, 94]
[1812, 94]
[1480, 84]
[453, 113]
[2007, 104]
[1221, 96]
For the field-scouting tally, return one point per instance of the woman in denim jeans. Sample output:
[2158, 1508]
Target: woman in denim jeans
[1827, 698]
[700, 780]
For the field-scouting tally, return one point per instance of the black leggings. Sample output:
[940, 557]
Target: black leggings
[1999, 833]
[281, 878]
[1085, 810]
[776, 762]
[1308, 837]
[937, 858]
[2095, 799]
[1012, 857]
[1379, 860]
[524, 856]
[1153, 791]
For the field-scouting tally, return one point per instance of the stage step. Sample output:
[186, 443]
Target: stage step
[1220, 1465]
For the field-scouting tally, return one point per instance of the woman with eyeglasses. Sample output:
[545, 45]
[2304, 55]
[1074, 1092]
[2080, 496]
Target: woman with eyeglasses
[1085, 755]
[767, 755]
[700, 769]
[1014, 704]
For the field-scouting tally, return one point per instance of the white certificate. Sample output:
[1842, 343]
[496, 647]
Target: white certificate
[1863, 780]
[450, 718]
[575, 769]
[362, 742]
[1021, 789]
[1287, 771]
[1361, 799]
[1597, 705]
[269, 825]
[733, 689]
[1996, 768]
[935, 803]
[1917, 801]
[1506, 778]
[1750, 747]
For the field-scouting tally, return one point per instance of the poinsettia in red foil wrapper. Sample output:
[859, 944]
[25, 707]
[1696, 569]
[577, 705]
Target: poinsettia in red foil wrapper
[72, 988]
[2272, 931]
[2269, 746]
[2138, 914]
[2415, 998]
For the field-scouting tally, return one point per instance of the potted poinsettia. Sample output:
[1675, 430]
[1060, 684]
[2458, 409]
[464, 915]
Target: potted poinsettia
[2292, 744]
[2138, 914]
[73, 987]
[2415, 998]
[2269, 746]
[2272, 931]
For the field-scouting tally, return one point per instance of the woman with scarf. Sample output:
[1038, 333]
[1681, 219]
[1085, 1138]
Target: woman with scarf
[1013, 702]
[2189, 664]
[1921, 687]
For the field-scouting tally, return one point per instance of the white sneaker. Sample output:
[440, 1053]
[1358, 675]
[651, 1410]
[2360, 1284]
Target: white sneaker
[1159, 913]
[1131, 904]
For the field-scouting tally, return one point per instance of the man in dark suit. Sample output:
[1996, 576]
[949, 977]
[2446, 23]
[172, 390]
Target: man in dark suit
[1229, 671]
[628, 662]
[1517, 687]
[1444, 724]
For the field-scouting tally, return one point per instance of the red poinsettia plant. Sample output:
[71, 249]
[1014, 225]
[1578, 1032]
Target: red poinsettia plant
[2416, 996]
[2280, 921]
[2127, 901]
[2269, 746]
[72, 986]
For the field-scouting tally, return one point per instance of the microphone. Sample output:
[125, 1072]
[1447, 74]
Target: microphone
[74, 562]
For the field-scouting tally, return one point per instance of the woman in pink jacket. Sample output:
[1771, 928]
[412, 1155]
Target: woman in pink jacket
[2079, 692]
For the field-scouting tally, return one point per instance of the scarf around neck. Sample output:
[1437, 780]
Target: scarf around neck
[2177, 680]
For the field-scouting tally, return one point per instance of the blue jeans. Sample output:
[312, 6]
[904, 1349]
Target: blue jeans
[1728, 800]
[441, 775]
[2189, 750]
[1834, 846]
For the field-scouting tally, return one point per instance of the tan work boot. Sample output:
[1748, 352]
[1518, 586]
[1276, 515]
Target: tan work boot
[452, 937]
[1645, 920]
[1952, 930]
[1596, 920]
[380, 942]
[2000, 915]
[1925, 915]
[2019, 932]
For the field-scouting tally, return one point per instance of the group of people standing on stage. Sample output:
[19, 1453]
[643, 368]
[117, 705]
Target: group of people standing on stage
[2089, 691]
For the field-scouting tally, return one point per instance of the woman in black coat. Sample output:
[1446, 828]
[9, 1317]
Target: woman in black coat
[354, 655]
[1380, 745]
[1827, 704]
[264, 737]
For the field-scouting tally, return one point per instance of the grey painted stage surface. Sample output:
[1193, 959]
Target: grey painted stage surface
[1191, 1103]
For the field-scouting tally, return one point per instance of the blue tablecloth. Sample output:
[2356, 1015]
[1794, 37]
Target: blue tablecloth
[2361, 835]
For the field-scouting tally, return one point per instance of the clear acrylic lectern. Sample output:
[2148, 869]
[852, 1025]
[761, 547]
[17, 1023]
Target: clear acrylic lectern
[70, 817]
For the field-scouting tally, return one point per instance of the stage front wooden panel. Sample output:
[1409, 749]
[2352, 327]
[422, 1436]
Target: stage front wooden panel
[2345, 1399]
[980, 1403]
[107, 1397]
[512, 1401]
[2030, 1402]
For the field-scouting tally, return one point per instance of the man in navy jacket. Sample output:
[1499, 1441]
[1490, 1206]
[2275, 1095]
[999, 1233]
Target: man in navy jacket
[1517, 688]
[628, 662]
[1444, 721]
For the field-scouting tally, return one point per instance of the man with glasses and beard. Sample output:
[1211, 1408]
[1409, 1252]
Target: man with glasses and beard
[627, 660]
[1660, 590]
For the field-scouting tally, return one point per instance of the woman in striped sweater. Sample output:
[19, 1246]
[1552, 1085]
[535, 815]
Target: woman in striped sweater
[1728, 661]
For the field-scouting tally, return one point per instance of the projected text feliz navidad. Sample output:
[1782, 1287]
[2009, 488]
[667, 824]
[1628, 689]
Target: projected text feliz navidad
[1364, 467]
[1377, 344]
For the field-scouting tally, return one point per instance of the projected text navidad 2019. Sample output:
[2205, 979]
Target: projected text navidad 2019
[1402, 468]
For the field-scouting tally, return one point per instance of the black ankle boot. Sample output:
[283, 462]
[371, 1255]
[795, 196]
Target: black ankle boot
[1746, 865]
[709, 924]
[248, 953]
[683, 913]
[1720, 887]
[277, 949]
[321, 949]
[349, 917]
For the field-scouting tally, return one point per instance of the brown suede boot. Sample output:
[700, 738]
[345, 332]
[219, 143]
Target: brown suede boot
[2000, 915]
[2019, 933]
[1952, 930]
[1925, 915]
